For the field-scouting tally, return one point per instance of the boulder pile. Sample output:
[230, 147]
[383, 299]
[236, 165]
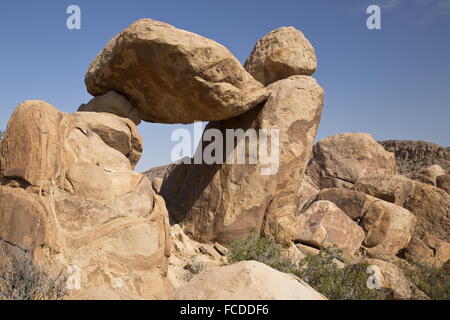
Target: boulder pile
[70, 198]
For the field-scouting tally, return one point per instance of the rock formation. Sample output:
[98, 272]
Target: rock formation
[173, 76]
[225, 201]
[68, 197]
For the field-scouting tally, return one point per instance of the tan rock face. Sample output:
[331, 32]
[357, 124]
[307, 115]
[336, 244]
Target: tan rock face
[173, 76]
[395, 188]
[90, 210]
[388, 227]
[428, 250]
[352, 156]
[223, 202]
[443, 182]
[393, 278]
[248, 280]
[280, 54]
[431, 206]
[112, 103]
[118, 133]
[324, 225]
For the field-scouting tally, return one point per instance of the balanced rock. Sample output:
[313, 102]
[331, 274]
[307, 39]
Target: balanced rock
[114, 103]
[70, 199]
[351, 156]
[280, 54]
[173, 76]
[324, 225]
[221, 202]
[247, 280]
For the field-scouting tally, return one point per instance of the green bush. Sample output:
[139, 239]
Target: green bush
[265, 250]
[348, 283]
[319, 271]
[434, 282]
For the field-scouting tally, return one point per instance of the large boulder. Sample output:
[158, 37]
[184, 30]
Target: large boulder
[173, 76]
[392, 278]
[70, 199]
[280, 54]
[247, 280]
[324, 225]
[221, 202]
[429, 204]
[349, 157]
[428, 250]
[114, 103]
[388, 227]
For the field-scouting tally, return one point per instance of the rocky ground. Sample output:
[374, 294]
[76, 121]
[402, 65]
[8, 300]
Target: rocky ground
[70, 199]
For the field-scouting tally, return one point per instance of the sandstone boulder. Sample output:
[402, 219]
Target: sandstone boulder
[391, 188]
[119, 133]
[280, 54]
[173, 76]
[388, 227]
[220, 202]
[70, 199]
[393, 278]
[247, 280]
[443, 182]
[351, 156]
[324, 225]
[114, 103]
[428, 250]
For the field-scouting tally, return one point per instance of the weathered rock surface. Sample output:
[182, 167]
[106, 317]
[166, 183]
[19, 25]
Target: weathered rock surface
[443, 182]
[413, 156]
[393, 278]
[280, 54]
[114, 103]
[118, 133]
[351, 156]
[223, 202]
[69, 198]
[324, 225]
[173, 76]
[428, 250]
[189, 257]
[388, 227]
[247, 280]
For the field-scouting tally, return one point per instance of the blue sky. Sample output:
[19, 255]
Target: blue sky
[393, 83]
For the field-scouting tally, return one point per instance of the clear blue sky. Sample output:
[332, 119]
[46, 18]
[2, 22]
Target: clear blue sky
[393, 83]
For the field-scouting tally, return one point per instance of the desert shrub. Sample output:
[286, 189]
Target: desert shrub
[348, 283]
[261, 249]
[193, 268]
[433, 281]
[319, 271]
[22, 279]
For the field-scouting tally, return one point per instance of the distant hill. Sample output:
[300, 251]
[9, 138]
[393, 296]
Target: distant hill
[412, 156]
